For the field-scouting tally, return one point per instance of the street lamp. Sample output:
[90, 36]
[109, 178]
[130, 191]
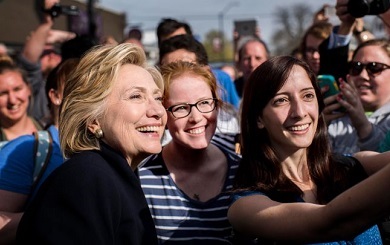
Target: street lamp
[221, 16]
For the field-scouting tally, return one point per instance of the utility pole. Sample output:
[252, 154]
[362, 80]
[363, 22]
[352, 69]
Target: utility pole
[221, 17]
[91, 19]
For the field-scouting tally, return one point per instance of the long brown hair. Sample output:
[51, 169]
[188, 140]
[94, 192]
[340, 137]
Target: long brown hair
[260, 168]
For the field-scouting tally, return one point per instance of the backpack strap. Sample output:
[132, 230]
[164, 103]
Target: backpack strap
[2, 143]
[43, 147]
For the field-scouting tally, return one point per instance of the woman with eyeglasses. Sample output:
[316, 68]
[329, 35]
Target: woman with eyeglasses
[187, 184]
[366, 99]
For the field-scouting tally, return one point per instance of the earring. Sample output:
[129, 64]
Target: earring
[98, 133]
[58, 102]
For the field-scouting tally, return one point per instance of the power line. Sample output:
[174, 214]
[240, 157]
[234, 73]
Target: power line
[205, 16]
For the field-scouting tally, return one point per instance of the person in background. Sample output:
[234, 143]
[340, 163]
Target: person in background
[15, 97]
[289, 187]
[134, 36]
[39, 56]
[252, 52]
[17, 159]
[365, 95]
[187, 184]
[169, 28]
[187, 48]
[313, 37]
[366, 99]
[96, 193]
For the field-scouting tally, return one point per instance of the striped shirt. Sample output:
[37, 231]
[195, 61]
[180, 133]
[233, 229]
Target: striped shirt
[180, 219]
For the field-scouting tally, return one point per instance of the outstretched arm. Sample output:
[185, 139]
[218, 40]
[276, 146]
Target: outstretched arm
[36, 41]
[344, 217]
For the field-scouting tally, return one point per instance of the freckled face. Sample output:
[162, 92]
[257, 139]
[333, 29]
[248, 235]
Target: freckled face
[135, 117]
[291, 117]
[196, 130]
[14, 97]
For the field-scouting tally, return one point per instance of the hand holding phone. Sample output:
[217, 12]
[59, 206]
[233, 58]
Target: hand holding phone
[330, 82]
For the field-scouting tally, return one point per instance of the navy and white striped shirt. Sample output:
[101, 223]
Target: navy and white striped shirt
[181, 219]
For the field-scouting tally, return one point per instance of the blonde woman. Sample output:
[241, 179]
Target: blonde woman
[111, 118]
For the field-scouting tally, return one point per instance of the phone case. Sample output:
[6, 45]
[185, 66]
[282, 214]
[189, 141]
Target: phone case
[330, 81]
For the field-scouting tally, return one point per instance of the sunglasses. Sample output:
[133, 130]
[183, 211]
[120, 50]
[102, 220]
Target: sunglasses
[372, 68]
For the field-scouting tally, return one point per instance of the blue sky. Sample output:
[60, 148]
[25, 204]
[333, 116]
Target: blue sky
[202, 15]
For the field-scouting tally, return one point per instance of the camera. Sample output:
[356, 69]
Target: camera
[360, 8]
[58, 9]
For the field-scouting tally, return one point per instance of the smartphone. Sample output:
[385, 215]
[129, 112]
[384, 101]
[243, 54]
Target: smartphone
[330, 81]
[245, 27]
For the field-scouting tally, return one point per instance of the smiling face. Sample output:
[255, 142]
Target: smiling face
[374, 90]
[291, 116]
[196, 130]
[135, 117]
[14, 97]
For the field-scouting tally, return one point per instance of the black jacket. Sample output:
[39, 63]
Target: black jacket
[93, 198]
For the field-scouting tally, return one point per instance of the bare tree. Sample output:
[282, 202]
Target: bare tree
[292, 23]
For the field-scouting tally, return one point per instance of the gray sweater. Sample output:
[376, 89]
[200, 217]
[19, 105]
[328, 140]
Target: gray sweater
[345, 140]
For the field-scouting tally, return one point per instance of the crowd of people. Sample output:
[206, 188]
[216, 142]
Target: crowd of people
[180, 152]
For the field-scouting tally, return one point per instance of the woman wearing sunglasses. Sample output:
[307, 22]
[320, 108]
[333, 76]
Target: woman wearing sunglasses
[366, 99]
[186, 185]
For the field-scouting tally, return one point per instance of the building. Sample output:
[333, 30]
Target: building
[19, 17]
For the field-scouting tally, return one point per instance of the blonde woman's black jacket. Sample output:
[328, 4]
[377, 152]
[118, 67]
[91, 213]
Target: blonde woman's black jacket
[93, 198]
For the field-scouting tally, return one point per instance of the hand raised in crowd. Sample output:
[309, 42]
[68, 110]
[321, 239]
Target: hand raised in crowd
[320, 15]
[332, 108]
[347, 20]
[59, 36]
[349, 98]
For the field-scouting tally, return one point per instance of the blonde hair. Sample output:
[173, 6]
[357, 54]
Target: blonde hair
[87, 89]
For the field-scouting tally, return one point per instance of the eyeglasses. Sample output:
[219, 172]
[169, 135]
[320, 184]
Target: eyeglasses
[183, 110]
[372, 68]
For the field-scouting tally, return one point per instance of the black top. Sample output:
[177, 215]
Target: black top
[239, 84]
[93, 198]
[334, 61]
